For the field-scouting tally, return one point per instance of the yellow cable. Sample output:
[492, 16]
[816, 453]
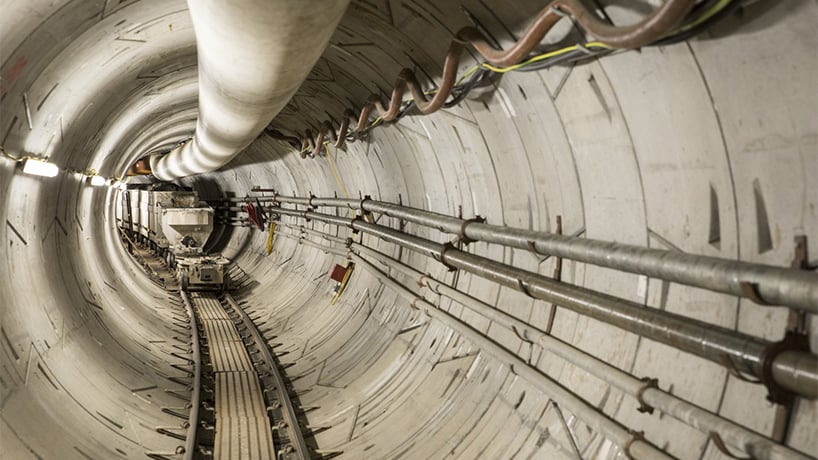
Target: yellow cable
[467, 75]
[334, 172]
[541, 57]
[707, 15]
[488, 66]
[8, 155]
[704, 17]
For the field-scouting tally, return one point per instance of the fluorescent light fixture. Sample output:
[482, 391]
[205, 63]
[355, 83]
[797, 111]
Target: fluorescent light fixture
[40, 168]
[97, 181]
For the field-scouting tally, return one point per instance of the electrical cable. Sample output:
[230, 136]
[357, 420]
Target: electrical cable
[721, 10]
[674, 21]
[335, 172]
[8, 155]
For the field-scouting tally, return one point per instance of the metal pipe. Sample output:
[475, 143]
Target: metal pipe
[772, 285]
[633, 445]
[741, 352]
[193, 416]
[337, 252]
[754, 444]
[326, 236]
[253, 56]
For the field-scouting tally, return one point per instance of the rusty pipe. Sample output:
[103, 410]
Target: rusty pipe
[651, 28]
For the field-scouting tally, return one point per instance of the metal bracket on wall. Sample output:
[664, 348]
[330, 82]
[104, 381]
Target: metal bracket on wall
[796, 324]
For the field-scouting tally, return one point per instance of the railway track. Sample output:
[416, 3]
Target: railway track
[240, 405]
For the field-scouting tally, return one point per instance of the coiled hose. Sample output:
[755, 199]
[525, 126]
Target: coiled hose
[652, 28]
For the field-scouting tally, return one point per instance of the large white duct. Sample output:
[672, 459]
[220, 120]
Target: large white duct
[253, 56]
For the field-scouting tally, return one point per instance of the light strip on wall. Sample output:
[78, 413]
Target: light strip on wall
[37, 167]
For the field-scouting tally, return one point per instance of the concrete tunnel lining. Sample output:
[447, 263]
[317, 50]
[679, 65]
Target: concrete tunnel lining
[649, 148]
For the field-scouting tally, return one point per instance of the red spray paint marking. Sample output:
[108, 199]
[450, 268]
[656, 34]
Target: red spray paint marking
[12, 74]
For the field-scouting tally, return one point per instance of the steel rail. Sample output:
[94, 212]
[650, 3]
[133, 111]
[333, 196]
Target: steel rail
[293, 427]
[195, 400]
[633, 444]
[791, 371]
[767, 284]
[649, 395]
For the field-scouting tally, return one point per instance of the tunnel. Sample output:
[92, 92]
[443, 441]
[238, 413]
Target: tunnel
[699, 146]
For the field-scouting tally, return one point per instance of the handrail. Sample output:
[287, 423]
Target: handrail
[195, 400]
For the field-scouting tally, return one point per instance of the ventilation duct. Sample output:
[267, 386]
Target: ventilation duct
[253, 56]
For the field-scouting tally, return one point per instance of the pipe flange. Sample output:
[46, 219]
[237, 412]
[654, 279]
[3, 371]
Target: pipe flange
[792, 341]
[462, 235]
[644, 407]
[442, 259]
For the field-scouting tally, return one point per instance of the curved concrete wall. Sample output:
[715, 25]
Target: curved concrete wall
[706, 147]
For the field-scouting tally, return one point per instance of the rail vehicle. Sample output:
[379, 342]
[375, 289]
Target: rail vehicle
[174, 224]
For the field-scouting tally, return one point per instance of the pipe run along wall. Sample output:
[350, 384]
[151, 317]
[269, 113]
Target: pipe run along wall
[253, 55]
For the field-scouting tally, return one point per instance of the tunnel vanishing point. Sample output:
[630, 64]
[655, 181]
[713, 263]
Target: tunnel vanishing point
[408, 229]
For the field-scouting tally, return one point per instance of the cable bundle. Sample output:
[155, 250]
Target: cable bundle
[658, 29]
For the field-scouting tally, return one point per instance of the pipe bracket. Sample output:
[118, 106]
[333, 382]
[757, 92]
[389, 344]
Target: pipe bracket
[442, 258]
[634, 437]
[524, 288]
[750, 290]
[792, 341]
[733, 370]
[462, 235]
[533, 248]
[722, 447]
[522, 336]
[644, 407]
